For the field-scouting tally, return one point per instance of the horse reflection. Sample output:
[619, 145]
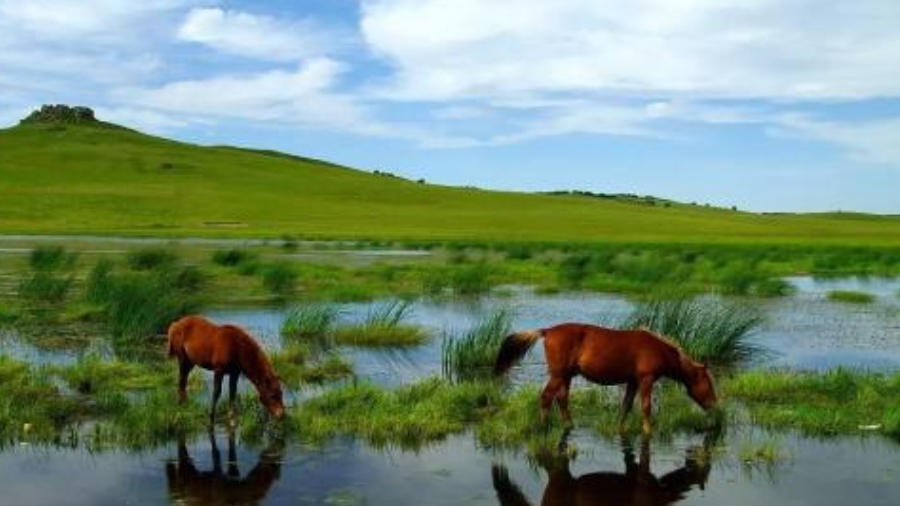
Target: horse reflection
[190, 486]
[636, 486]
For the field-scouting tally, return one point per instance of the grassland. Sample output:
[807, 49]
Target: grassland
[83, 179]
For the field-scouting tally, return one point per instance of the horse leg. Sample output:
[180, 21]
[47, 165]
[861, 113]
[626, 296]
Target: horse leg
[627, 402]
[646, 390]
[562, 398]
[184, 368]
[217, 391]
[232, 392]
[548, 395]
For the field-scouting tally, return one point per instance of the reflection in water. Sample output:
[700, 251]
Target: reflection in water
[190, 486]
[636, 486]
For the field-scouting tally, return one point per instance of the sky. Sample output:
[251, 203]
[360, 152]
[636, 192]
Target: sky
[767, 105]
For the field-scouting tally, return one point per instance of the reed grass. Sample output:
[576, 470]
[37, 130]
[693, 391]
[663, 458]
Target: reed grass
[709, 330]
[851, 297]
[148, 259]
[383, 326]
[280, 279]
[314, 321]
[471, 355]
[233, 257]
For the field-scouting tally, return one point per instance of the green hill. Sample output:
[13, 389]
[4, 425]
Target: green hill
[89, 177]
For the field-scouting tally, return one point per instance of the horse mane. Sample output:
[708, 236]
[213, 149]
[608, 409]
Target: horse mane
[258, 367]
[666, 339]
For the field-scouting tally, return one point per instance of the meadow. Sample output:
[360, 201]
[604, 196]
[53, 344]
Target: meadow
[107, 180]
[305, 238]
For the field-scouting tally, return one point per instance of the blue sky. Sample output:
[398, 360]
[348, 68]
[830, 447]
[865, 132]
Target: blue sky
[790, 105]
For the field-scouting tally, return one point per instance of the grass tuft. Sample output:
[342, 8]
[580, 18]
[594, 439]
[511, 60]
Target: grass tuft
[310, 321]
[383, 326]
[851, 297]
[472, 354]
[710, 331]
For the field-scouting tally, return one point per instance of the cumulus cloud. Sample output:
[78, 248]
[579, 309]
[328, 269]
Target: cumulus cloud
[799, 49]
[244, 34]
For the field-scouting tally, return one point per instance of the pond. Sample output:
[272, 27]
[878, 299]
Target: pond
[346, 472]
[805, 331]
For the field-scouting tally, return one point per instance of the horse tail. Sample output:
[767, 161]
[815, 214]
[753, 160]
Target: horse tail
[514, 347]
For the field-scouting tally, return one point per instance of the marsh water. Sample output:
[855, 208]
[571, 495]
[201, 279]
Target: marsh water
[803, 331]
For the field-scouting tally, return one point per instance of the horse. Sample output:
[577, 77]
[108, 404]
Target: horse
[223, 349]
[605, 356]
[636, 486]
[191, 486]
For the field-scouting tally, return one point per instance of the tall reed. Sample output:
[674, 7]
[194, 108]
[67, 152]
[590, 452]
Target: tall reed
[711, 331]
[472, 354]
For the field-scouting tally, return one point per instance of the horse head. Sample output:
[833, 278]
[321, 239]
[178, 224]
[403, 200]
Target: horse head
[271, 397]
[699, 384]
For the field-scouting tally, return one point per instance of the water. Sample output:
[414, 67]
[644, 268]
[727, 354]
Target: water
[804, 331]
[836, 471]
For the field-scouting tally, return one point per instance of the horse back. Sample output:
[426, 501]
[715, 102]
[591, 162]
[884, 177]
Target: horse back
[606, 356]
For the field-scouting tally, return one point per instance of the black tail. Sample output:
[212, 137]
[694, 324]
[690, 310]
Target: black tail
[514, 347]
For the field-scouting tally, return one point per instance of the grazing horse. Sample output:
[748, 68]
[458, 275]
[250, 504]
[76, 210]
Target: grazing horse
[636, 486]
[636, 358]
[223, 349]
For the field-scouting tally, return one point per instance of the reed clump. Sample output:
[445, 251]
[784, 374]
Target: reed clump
[384, 325]
[709, 330]
[472, 354]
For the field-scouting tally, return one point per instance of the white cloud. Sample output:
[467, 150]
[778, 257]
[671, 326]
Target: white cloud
[801, 49]
[262, 37]
[872, 141]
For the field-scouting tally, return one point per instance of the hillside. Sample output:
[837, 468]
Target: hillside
[88, 178]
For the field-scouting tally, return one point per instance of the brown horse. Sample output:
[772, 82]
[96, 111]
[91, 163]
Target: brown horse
[636, 358]
[223, 349]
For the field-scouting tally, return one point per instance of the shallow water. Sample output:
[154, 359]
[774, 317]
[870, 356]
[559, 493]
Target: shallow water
[837, 471]
[805, 330]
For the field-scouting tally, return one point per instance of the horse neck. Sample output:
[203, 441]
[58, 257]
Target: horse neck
[679, 368]
[254, 364]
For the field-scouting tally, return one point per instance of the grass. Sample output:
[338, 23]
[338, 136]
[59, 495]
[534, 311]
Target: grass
[765, 452]
[233, 257]
[383, 326]
[107, 403]
[831, 403]
[280, 279]
[851, 297]
[49, 278]
[310, 321]
[472, 354]
[711, 331]
[113, 180]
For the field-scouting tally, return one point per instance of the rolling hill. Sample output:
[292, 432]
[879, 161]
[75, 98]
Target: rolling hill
[89, 177]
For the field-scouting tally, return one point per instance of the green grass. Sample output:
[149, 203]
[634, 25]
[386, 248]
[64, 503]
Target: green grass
[310, 321]
[472, 354]
[280, 279]
[383, 326]
[851, 297]
[82, 179]
[762, 452]
[831, 403]
[233, 257]
[108, 403]
[711, 331]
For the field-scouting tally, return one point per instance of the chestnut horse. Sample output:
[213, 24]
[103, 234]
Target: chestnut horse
[636, 358]
[223, 349]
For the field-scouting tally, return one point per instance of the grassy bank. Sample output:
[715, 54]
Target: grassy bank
[103, 403]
